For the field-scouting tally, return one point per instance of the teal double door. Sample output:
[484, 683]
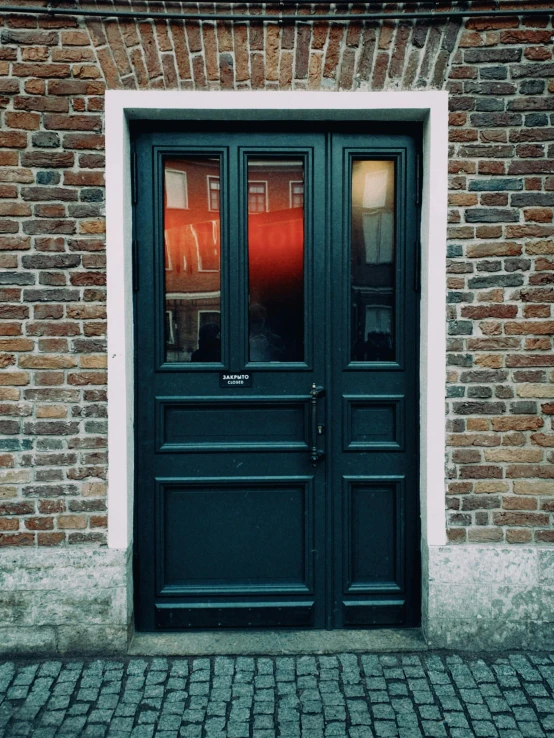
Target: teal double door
[276, 304]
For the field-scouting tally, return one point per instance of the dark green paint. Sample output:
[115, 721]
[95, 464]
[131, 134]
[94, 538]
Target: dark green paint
[326, 546]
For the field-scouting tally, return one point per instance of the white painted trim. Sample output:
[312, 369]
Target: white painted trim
[431, 107]
[121, 445]
[433, 325]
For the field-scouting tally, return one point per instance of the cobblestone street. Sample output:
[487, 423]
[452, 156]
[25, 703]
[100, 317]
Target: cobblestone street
[348, 695]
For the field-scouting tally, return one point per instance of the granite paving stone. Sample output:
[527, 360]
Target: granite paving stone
[432, 695]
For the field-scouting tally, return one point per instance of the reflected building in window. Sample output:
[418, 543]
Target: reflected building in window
[373, 261]
[276, 259]
[275, 245]
[192, 260]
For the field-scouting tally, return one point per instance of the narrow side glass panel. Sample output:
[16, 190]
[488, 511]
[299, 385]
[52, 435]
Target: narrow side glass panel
[192, 237]
[373, 261]
[276, 259]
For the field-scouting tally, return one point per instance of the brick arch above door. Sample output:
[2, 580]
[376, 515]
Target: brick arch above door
[309, 54]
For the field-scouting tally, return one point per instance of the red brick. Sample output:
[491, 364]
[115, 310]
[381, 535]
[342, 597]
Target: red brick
[87, 179]
[527, 519]
[17, 539]
[536, 327]
[482, 471]
[75, 38]
[56, 122]
[26, 121]
[517, 423]
[13, 140]
[41, 70]
[530, 471]
[50, 539]
[489, 311]
[43, 523]
[538, 53]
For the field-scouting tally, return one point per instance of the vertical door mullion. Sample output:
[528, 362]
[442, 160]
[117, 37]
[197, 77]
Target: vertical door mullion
[317, 321]
[327, 198]
[225, 259]
[241, 188]
[339, 326]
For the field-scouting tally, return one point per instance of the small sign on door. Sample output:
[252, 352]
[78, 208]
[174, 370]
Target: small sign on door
[244, 379]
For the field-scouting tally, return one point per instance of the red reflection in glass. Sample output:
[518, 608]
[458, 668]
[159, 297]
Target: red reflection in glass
[276, 259]
[192, 260]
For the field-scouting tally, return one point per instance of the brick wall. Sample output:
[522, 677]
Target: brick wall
[501, 247]
[53, 73]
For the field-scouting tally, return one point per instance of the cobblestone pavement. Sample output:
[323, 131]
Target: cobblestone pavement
[352, 696]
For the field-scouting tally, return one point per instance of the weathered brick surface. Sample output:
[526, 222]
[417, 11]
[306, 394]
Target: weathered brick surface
[500, 76]
[500, 327]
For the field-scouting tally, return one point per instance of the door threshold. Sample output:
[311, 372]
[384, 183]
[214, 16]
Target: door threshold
[276, 642]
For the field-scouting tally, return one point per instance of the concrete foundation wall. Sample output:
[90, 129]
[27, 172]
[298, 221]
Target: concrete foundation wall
[488, 597]
[65, 601]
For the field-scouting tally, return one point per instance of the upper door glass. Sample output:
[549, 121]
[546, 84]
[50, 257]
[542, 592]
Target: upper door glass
[276, 259]
[373, 261]
[192, 240]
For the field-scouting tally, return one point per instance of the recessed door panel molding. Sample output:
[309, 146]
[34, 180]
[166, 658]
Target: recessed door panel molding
[374, 613]
[205, 424]
[197, 556]
[373, 423]
[277, 377]
[374, 551]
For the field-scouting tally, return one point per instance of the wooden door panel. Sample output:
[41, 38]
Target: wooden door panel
[382, 612]
[373, 535]
[205, 424]
[373, 422]
[208, 529]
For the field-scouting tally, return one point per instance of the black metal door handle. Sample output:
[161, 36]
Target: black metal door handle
[316, 453]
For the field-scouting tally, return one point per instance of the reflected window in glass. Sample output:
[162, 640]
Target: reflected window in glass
[192, 250]
[213, 193]
[297, 194]
[257, 197]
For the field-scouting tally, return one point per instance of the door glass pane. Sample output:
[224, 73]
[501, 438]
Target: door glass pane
[373, 261]
[276, 259]
[192, 236]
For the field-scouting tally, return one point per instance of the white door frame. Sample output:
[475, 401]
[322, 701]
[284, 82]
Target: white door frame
[429, 107]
